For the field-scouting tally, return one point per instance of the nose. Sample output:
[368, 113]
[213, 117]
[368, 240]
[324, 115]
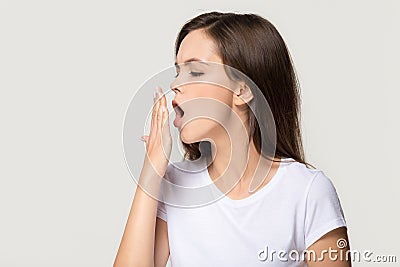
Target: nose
[178, 82]
[177, 90]
[174, 86]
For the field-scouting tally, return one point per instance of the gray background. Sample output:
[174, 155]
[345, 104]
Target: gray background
[68, 70]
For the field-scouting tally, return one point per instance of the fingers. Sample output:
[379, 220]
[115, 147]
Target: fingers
[145, 138]
[158, 142]
[154, 116]
[165, 120]
[159, 119]
[160, 109]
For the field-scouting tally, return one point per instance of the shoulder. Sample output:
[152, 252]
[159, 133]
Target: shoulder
[316, 190]
[298, 174]
[301, 179]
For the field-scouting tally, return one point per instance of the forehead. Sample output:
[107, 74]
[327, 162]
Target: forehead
[197, 45]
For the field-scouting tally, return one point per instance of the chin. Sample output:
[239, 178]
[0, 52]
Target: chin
[196, 131]
[189, 136]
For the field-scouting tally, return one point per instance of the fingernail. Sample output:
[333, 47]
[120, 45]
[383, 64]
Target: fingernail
[163, 109]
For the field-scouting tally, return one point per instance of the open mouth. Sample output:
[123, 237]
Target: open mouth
[179, 114]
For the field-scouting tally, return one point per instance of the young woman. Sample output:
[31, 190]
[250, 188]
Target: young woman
[292, 209]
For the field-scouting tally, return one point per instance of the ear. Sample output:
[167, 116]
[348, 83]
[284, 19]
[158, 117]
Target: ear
[243, 94]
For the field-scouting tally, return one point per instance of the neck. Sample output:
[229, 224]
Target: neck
[236, 160]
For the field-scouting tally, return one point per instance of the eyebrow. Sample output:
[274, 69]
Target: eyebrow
[191, 60]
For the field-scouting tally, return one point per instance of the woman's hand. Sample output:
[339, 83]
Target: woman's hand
[139, 239]
[159, 141]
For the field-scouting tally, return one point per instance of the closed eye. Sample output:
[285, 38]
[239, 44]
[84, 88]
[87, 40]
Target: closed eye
[196, 74]
[176, 90]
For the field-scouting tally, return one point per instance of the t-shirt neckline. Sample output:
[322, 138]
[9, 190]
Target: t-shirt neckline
[256, 195]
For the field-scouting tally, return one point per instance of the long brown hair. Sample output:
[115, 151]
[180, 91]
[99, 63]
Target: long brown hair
[252, 45]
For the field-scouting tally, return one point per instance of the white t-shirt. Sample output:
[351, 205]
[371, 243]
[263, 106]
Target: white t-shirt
[292, 211]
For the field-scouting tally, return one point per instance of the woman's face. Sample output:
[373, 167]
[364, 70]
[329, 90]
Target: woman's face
[206, 107]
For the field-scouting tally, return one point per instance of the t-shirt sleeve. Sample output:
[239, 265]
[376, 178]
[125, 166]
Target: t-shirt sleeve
[323, 209]
[161, 211]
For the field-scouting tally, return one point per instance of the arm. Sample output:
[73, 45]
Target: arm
[322, 247]
[142, 231]
[136, 248]
[161, 248]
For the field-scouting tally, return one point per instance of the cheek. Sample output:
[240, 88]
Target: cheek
[221, 94]
[211, 92]
[207, 111]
